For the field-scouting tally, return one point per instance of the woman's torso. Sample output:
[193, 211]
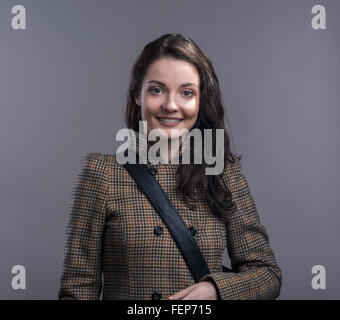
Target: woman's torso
[140, 259]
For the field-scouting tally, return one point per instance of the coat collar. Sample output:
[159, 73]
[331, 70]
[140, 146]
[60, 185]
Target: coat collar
[141, 146]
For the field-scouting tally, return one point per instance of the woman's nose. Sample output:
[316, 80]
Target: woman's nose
[170, 104]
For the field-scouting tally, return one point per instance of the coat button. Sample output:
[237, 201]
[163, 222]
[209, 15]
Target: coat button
[192, 230]
[156, 295]
[153, 171]
[158, 230]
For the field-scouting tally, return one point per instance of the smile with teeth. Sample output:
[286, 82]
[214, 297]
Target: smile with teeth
[169, 121]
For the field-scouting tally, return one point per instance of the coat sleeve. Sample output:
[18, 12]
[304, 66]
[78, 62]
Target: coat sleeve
[82, 272]
[255, 273]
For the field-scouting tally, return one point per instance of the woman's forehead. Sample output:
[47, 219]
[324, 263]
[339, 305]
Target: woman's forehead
[171, 71]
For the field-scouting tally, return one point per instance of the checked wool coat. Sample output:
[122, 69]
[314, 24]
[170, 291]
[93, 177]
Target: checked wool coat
[118, 245]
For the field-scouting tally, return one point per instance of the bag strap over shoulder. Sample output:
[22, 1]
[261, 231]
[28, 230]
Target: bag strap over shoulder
[179, 231]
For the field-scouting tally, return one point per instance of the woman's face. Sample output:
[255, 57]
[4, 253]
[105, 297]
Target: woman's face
[169, 97]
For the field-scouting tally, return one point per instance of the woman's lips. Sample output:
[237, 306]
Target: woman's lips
[169, 122]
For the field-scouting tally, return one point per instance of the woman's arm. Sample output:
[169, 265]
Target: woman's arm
[82, 273]
[256, 274]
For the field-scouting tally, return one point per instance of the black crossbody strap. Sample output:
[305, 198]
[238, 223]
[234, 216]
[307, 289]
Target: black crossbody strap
[181, 234]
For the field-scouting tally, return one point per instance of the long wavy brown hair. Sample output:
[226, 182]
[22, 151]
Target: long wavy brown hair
[193, 182]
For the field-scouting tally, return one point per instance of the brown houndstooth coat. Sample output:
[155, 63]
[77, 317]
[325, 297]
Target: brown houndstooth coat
[114, 232]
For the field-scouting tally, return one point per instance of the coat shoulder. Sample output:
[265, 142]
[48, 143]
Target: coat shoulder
[109, 159]
[232, 166]
[231, 173]
[93, 164]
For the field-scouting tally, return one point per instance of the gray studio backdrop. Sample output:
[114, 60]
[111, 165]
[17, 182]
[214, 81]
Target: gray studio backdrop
[63, 82]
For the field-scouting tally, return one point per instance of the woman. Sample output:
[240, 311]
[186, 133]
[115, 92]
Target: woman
[114, 230]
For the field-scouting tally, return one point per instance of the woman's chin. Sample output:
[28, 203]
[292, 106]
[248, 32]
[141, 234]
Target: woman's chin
[167, 133]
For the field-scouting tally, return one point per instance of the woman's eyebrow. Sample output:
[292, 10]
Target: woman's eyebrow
[182, 85]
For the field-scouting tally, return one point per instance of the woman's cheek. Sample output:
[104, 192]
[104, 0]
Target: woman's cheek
[190, 109]
[152, 104]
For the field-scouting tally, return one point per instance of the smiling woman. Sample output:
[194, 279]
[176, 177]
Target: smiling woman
[114, 230]
[169, 97]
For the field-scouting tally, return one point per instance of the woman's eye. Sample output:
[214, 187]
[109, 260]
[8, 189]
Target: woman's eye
[188, 93]
[155, 90]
